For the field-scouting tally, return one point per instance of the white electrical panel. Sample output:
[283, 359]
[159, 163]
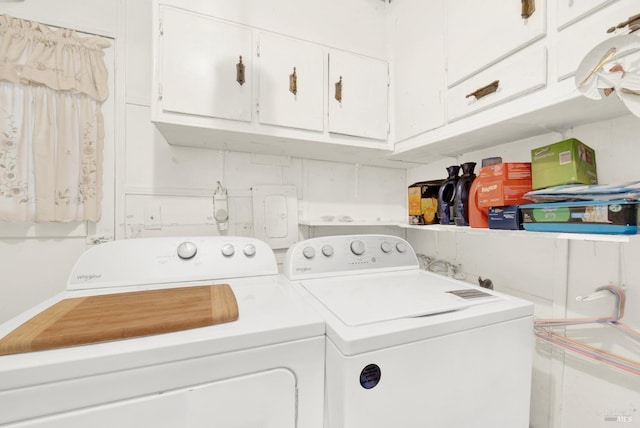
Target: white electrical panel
[275, 215]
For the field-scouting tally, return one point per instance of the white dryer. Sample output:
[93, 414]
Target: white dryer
[409, 348]
[265, 369]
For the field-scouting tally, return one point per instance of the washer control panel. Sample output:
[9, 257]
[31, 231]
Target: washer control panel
[338, 255]
[171, 259]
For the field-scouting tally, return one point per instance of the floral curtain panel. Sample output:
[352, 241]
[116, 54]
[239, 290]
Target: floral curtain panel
[52, 85]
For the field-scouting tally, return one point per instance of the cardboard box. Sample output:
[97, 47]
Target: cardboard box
[566, 162]
[505, 218]
[498, 192]
[615, 217]
[423, 202]
[507, 171]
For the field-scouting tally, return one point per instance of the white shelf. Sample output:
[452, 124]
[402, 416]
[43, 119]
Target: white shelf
[522, 233]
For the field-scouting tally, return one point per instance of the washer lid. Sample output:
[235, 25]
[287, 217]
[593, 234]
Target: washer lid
[358, 300]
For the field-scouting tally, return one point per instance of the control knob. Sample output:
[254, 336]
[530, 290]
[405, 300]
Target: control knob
[327, 250]
[385, 247]
[186, 250]
[308, 252]
[357, 247]
[249, 250]
[401, 247]
[228, 250]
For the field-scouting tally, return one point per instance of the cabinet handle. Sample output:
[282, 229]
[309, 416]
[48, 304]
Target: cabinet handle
[293, 82]
[633, 22]
[338, 95]
[528, 7]
[485, 90]
[240, 72]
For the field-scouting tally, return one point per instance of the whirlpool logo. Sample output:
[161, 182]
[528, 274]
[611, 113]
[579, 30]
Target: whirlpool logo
[88, 276]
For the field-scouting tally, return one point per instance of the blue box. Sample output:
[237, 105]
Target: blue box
[609, 217]
[505, 218]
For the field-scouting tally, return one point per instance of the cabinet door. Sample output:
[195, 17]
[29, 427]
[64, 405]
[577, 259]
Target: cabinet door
[575, 41]
[362, 110]
[531, 64]
[570, 11]
[278, 104]
[198, 66]
[480, 33]
[417, 49]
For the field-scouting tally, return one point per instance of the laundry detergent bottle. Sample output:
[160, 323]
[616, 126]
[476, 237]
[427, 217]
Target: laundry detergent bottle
[463, 191]
[447, 195]
[478, 217]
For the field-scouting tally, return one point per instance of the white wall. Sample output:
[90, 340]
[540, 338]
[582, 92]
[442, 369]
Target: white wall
[567, 391]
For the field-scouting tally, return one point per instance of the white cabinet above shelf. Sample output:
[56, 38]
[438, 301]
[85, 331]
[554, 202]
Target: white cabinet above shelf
[538, 113]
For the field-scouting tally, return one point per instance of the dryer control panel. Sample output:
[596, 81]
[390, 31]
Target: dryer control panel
[342, 255]
[165, 260]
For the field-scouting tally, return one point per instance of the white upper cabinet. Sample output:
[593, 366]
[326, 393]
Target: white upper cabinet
[291, 83]
[199, 61]
[480, 33]
[358, 95]
[260, 83]
[570, 11]
[417, 58]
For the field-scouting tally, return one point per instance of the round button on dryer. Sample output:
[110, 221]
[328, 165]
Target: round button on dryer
[228, 250]
[357, 247]
[308, 252]
[401, 247]
[186, 250]
[249, 250]
[327, 250]
[385, 247]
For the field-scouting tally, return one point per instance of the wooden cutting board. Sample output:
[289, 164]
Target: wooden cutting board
[107, 317]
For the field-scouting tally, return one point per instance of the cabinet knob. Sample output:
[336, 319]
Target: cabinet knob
[528, 7]
[485, 90]
[240, 72]
[293, 82]
[338, 94]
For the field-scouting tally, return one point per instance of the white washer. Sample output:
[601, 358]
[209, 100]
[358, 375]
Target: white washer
[409, 348]
[266, 369]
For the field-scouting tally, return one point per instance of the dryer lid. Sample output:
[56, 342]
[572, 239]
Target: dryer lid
[361, 300]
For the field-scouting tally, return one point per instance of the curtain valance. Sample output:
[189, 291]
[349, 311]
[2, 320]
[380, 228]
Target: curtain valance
[32, 53]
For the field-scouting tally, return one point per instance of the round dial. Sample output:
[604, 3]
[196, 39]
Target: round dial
[327, 250]
[385, 247]
[249, 250]
[228, 250]
[186, 250]
[357, 247]
[401, 247]
[308, 252]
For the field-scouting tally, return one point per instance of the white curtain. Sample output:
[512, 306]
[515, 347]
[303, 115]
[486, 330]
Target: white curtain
[52, 85]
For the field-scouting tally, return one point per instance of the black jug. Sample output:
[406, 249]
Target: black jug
[447, 195]
[463, 188]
